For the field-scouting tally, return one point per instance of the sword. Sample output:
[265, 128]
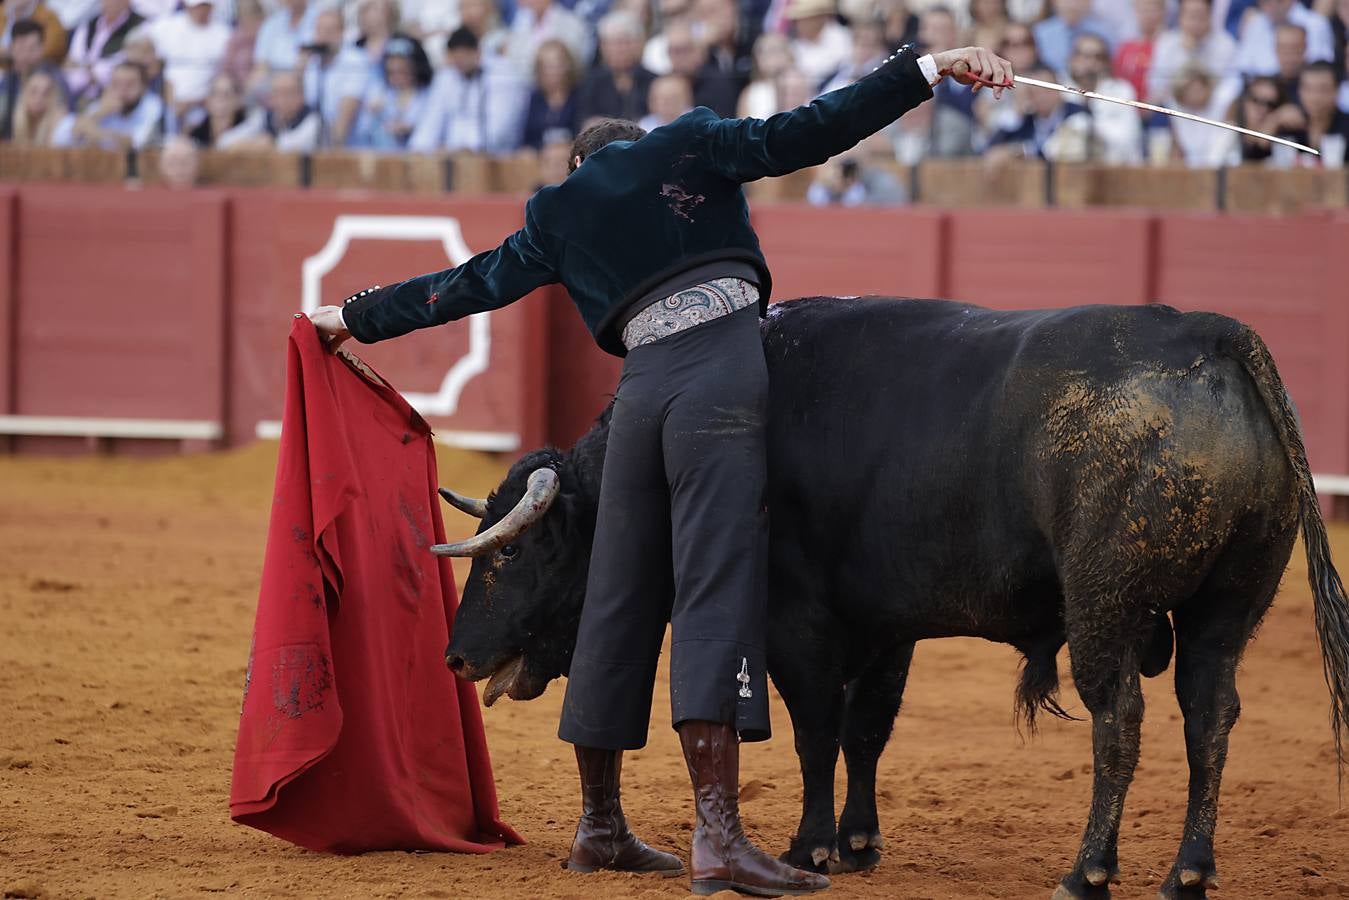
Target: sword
[961, 69]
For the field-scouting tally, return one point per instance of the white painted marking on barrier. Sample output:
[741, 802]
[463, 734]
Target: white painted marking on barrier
[445, 401]
[491, 441]
[97, 427]
[268, 430]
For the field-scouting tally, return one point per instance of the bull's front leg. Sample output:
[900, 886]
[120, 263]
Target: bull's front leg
[873, 700]
[809, 674]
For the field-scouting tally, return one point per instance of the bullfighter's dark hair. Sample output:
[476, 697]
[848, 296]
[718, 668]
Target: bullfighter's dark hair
[603, 132]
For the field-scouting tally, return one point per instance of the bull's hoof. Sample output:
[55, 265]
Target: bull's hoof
[1092, 883]
[858, 851]
[1190, 881]
[820, 856]
[859, 846]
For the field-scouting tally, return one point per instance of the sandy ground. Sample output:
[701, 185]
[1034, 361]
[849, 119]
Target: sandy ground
[127, 591]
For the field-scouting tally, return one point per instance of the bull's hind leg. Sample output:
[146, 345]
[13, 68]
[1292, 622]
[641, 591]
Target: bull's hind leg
[1105, 670]
[1212, 629]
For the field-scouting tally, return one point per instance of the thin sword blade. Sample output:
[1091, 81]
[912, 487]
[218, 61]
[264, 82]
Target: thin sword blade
[1138, 104]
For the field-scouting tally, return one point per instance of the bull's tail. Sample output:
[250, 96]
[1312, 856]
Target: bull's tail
[1330, 604]
[1038, 690]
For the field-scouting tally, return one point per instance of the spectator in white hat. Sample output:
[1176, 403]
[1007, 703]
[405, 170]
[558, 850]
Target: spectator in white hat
[192, 46]
[820, 43]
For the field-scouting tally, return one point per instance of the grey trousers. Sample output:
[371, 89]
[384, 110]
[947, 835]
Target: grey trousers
[681, 537]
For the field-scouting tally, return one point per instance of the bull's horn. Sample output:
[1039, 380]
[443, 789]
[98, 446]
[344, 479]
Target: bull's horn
[539, 495]
[471, 505]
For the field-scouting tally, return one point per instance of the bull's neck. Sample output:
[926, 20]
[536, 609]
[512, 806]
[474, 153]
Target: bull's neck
[585, 460]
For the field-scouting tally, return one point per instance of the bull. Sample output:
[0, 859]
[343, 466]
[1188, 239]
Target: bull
[1128, 480]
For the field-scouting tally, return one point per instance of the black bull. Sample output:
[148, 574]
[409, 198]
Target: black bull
[1125, 479]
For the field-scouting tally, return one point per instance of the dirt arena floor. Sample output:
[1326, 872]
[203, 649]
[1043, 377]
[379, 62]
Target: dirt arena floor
[127, 591]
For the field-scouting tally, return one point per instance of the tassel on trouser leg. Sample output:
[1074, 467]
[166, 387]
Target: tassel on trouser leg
[603, 840]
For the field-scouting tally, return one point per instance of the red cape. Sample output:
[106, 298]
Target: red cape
[354, 735]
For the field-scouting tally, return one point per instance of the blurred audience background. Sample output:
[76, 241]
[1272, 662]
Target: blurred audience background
[521, 77]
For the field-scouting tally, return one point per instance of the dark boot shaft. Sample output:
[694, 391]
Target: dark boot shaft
[722, 857]
[603, 840]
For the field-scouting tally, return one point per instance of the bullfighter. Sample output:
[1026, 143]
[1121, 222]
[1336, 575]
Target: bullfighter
[651, 236]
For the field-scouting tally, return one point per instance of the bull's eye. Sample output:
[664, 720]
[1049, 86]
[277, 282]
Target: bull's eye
[510, 551]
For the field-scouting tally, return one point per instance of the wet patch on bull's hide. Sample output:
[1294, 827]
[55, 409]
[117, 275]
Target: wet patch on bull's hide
[301, 680]
[1162, 490]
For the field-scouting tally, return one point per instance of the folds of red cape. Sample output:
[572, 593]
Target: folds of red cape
[354, 735]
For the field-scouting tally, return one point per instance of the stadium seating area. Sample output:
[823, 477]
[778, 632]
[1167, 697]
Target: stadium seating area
[486, 95]
[1023, 184]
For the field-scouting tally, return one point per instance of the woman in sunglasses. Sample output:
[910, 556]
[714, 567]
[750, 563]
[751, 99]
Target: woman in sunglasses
[1259, 108]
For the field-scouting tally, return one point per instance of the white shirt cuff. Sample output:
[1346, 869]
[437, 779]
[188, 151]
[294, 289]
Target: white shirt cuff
[929, 69]
[342, 317]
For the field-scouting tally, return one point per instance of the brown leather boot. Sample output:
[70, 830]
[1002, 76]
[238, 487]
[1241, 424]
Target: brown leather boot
[603, 840]
[723, 858]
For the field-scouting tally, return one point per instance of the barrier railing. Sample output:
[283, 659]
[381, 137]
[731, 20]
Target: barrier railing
[956, 183]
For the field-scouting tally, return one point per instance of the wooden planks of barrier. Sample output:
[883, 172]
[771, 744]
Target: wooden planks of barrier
[975, 182]
[1170, 188]
[89, 165]
[1255, 189]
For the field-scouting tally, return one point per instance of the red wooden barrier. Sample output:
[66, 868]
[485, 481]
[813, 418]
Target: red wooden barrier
[172, 309]
[120, 313]
[1034, 260]
[1289, 280]
[836, 251]
[480, 382]
[7, 305]
[582, 377]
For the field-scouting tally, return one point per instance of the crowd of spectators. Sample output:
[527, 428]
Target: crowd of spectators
[512, 76]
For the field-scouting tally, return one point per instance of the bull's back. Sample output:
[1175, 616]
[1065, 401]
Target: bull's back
[982, 438]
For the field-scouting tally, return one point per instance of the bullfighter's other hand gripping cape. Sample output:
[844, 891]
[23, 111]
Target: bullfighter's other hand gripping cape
[354, 735]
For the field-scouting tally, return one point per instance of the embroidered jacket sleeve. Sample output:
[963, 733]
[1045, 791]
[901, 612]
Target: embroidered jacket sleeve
[490, 280]
[748, 149]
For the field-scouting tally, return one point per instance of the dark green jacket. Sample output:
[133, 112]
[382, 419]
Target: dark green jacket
[638, 212]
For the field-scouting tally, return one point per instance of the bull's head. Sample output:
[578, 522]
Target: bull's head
[521, 605]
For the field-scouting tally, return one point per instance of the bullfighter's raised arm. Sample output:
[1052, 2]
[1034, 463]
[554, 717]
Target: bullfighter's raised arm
[749, 149]
[490, 280]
